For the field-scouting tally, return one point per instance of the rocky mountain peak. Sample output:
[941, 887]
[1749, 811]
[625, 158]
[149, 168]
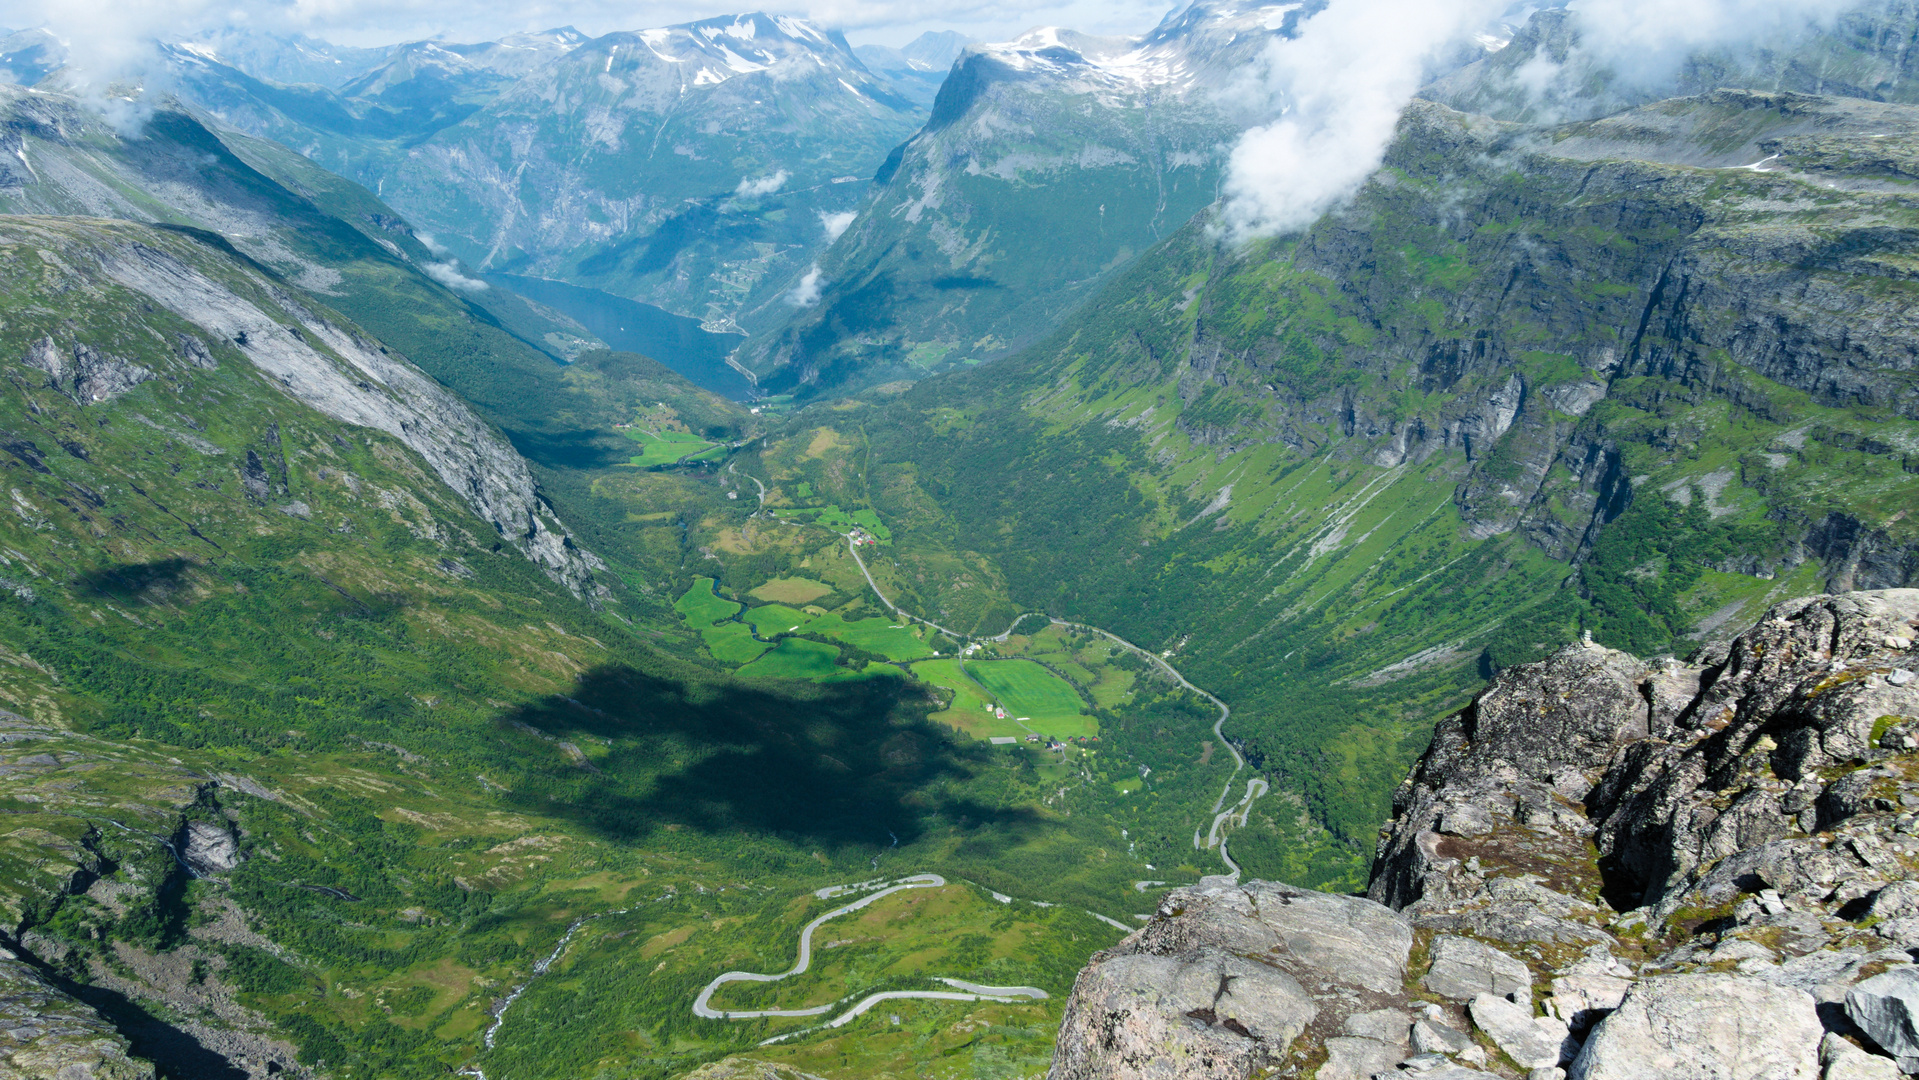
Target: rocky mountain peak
[1190, 47]
[721, 48]
[1601, 868]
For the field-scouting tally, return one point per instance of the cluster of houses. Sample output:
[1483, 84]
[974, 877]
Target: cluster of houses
[862, 537]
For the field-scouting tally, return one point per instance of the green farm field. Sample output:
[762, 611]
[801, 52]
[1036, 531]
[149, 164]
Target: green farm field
[702, 607]
[667, 448]
[773, 619]
[795, 658]
[1024, 688]
[732, 643]
[875, 635]
[970, 709]
[1088, 660]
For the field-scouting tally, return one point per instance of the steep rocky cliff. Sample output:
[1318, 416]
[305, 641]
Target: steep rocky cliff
[1600, 869]
[1534, 380]
[317, 359]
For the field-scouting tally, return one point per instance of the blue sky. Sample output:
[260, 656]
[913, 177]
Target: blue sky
[373, 22]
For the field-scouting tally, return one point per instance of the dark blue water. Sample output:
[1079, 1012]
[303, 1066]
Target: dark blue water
[630, 326]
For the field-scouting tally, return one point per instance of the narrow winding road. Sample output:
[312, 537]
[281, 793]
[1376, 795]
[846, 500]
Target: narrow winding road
[730, 467]
[964, 991]
[1221, 816]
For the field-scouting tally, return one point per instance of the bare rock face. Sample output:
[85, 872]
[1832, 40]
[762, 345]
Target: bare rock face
[83, 372]
[330, 368]
[1225, 979]
[1707, 1026]
[207, 848]
[46, 1035]
[1713, 867]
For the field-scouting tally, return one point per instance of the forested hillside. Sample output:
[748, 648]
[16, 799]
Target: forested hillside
[395, 682]
[1534, 382]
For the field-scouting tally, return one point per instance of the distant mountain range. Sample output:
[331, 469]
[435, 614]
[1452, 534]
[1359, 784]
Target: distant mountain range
[695, 167]
[1048, 163]
[919, 67]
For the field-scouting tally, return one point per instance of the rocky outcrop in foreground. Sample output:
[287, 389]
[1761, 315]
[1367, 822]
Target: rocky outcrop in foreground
[1600, 870]
[46, 1034]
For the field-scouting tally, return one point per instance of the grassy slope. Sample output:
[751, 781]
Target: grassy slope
[438, 730]
[1202, 459]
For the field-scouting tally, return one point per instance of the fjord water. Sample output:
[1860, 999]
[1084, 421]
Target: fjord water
[631, 326]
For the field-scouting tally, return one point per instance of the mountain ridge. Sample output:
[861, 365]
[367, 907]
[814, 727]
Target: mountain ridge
[1553, 852]
[518, 156]
[1050, 131]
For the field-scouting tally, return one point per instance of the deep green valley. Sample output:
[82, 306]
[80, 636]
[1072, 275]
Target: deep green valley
[441, 638]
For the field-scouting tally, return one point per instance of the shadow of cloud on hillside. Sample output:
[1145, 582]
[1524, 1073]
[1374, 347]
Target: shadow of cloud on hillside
[157, 580]
[850, 763]
[578, 449]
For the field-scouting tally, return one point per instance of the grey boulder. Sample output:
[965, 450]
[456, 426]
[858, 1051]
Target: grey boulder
[1705, 1027]
[1463, 968]
[1144, 1017]
[1432, 1037]
[1886, 1008]
[1352, 1058]
[1844, 1061]
[1533, 1042]
[1896, 901]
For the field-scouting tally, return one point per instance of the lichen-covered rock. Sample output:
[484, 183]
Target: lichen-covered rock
[1692, 786]
[1797, 695]
[1223, 980]
[1518, 753]
[1710, 865]
[1708, 1027]
[46, 1035]
[1463, 968]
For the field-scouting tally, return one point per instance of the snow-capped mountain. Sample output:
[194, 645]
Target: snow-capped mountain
[488, 63]
[691, 166]
[292, 59]
[694, 167]
[1048, 162]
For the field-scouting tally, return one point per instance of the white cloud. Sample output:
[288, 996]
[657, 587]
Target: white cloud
[765, 185]
[1647, 41]
[835, 224]
[448, 274]
[1338, 88]
[427, 241]
[807, 292]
